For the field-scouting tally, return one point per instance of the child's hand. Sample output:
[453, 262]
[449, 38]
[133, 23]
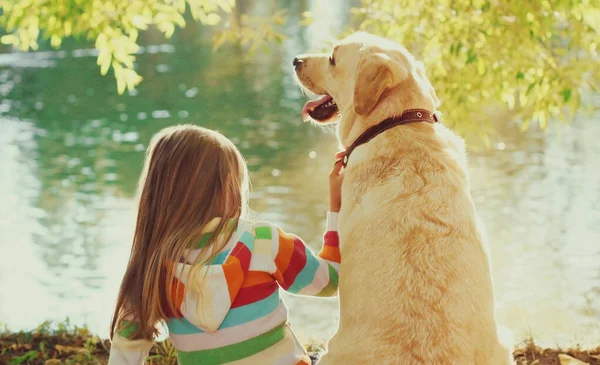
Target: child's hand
[336, 176]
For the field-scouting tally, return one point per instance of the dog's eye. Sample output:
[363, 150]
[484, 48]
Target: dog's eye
[331, 61]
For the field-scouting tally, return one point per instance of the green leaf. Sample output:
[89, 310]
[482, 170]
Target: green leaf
[459, 47]
[24, 358]
[541, 77]
[471, 57]
[530, 88]
[566, 94]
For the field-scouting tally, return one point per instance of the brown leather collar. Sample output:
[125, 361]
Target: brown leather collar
[407, 116]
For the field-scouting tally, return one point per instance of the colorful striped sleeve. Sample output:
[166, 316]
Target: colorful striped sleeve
[124, 349]
[296, 268]
[210, 291]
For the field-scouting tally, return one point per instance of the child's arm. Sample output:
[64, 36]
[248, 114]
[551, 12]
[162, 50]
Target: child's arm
[124, 349]
[296, 268]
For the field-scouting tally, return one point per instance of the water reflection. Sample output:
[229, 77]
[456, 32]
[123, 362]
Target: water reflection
[71, 152]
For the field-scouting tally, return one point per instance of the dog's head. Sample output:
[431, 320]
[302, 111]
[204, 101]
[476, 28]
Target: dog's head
[365, 78]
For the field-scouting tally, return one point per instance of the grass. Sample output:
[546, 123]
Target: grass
[528, 353]
[63, 343]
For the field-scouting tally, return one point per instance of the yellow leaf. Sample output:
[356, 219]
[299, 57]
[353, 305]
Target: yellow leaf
[530, 17]
[568, 360]
[306, 20]
[481, 66]
[542, 119]
[279, 19]
[212, 19]
[68, 27]
[133, 34]
[198, 14]
[101, 41]
[55, 41]
[180, 4]
[168, 29]
[117, 67]
[120, 84]
[219, 39]
[510, 100]
[522, 99]
[131, 78]
[140, 22]
[103, 55]
[9, 39]
[104, 66]
[70, 349]
[440, 69]
[179, 20]
[127, 60]
[24, 41]
[226, 5]
[592, 18]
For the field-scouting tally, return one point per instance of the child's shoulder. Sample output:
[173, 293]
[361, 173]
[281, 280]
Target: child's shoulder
[261, 229]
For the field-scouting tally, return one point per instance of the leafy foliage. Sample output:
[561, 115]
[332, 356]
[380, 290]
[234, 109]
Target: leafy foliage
[63, 343]
[72, 345]
[113, 24]
[253, 31]
[533, 55]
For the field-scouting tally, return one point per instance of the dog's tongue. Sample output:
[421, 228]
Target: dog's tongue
[311, 105]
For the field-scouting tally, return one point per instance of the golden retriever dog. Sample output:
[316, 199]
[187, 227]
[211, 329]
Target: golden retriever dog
[415, 282]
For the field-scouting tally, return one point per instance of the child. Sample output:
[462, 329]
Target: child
[211, 275]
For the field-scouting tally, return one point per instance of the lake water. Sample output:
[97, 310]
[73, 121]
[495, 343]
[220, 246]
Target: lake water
[71, 151]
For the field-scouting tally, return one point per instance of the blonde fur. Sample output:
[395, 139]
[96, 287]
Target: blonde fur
[415, 283]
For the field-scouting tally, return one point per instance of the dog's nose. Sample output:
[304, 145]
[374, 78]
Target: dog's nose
[297, 62]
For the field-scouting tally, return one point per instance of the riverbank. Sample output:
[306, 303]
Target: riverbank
[66, 344]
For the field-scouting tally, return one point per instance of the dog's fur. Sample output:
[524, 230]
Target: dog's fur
[415, 281]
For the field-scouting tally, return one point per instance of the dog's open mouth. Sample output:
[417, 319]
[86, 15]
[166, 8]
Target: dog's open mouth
[321, 110]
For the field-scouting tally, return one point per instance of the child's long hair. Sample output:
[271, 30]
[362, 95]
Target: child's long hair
[191, 175]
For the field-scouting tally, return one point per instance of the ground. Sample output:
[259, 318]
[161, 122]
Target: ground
[66, 344]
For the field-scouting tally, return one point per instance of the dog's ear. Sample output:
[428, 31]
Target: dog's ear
[420, 69]
[376, 73]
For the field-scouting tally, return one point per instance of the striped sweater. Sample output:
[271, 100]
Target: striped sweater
[230, 311]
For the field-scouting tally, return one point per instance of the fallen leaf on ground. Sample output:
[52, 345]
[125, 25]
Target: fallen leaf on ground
[53, 362]
[568, 360]
[536, 362]
[70, 349]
